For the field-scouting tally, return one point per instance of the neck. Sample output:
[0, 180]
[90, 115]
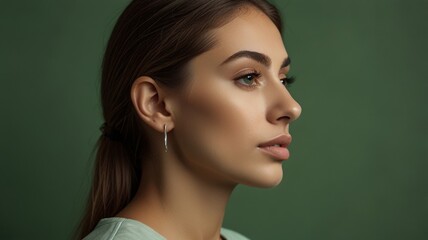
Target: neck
[177, 203]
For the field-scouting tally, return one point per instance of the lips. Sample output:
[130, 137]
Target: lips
[277, 147]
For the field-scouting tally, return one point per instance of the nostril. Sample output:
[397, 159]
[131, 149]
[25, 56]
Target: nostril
[284, 117]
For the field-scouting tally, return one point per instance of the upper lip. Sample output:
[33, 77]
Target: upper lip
[283, 140]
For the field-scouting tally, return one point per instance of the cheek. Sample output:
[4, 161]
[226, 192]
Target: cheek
[224, 116]
[219, 123]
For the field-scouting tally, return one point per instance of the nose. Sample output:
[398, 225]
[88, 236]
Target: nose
[282, 106]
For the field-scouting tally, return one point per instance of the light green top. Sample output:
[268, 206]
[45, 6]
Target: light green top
[116, 228]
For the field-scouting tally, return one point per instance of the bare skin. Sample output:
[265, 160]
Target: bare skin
[214, 126]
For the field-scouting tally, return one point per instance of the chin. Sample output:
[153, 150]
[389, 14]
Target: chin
[265, 179]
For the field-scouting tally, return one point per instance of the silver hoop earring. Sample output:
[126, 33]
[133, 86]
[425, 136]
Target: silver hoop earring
[165, 139]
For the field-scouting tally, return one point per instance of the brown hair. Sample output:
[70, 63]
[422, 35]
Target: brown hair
[155, 38]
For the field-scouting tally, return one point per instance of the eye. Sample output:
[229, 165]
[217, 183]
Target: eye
[249, 79]
[287, 81]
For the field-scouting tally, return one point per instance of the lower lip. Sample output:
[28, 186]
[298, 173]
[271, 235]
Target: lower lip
[281, 153]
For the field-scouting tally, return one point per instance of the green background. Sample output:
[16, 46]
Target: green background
[359, 157]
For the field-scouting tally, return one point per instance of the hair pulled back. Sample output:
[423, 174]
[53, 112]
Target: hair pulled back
[155, 38]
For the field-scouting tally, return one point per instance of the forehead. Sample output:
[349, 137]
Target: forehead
[249, 30]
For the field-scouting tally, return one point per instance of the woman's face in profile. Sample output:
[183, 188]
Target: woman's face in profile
[232, 105]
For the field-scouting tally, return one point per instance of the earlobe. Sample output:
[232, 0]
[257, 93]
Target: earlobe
[149, 103]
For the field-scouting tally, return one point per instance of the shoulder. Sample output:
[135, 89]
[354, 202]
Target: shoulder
[115, 228]
[232, 235]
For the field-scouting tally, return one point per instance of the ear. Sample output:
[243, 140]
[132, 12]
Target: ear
[149, 102]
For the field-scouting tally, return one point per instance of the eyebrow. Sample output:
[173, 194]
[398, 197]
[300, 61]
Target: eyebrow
[256, 56]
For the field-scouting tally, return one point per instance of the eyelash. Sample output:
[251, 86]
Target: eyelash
[287, 81]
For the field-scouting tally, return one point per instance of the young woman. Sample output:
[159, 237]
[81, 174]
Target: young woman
[195, 102]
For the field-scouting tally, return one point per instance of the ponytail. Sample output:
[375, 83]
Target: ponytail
[115, 182]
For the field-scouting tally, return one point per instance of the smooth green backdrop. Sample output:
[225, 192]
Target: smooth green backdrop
[358, 167]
